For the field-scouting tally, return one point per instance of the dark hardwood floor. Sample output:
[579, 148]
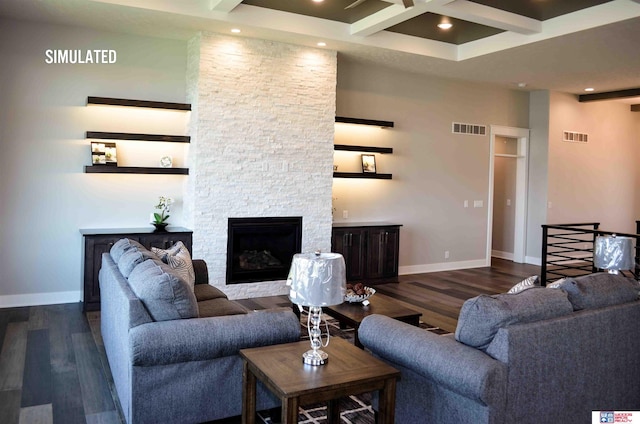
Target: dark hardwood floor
[52, 361]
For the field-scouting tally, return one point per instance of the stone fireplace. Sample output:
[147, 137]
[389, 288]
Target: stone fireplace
[262, 127]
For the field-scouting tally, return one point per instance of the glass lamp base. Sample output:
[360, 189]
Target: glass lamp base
[315, 357]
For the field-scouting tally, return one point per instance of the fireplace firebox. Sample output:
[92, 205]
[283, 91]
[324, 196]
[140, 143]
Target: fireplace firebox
[261, 249]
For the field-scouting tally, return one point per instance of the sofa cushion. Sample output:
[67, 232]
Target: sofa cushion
[599, 290]
[206, 292]
[219, 307]
[165, 296]
[121, 246]
[481, 317]
[533, 281]
[179, 259]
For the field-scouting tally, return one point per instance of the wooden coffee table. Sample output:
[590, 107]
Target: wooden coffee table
[349, 371]
[352, 314]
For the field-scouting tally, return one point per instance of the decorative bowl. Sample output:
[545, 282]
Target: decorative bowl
[351, 296]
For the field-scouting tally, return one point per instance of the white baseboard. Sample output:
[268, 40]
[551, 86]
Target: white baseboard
[502, 255]
[443, 266]
[533, 260]
[36, 299]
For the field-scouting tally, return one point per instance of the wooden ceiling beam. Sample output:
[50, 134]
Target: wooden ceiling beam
[610, 95]
[635, 108]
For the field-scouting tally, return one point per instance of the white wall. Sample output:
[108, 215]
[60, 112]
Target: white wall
[45, 198]
[434, 171]
[594, 181]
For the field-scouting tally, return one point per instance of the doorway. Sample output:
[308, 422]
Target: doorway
[508, 206]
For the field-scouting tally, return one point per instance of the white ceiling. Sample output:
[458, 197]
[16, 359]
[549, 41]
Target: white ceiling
[597, 47]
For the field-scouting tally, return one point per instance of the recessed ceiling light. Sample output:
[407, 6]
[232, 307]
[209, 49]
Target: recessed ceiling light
[522, 84]
[235, 30]
[445, 25]
[321, 43]
[589, 89]
[318, 1]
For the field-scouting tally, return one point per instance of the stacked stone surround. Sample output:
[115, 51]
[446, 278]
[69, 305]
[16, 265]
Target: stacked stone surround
[262, 127]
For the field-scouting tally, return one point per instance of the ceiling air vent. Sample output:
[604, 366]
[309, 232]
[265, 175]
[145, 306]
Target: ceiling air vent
[575, 137]
[471, 129]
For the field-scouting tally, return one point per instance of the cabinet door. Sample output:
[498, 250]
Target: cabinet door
[350, 244]
[165, 240]
[94, 247]
[382, 252]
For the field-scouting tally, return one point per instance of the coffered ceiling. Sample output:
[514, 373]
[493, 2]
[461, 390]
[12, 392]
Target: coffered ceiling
[563, 45]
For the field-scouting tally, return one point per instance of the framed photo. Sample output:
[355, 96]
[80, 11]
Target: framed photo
[369, 164]
[103, 154]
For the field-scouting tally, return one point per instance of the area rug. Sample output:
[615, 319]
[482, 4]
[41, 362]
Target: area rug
[353, 409]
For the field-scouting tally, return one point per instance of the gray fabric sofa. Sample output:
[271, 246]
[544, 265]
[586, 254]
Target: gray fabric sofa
[177, 368]
[539, 356]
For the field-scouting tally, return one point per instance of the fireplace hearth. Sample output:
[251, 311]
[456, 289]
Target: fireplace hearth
[261, 249]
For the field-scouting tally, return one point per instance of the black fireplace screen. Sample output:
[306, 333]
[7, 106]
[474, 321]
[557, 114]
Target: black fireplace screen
[261, 249]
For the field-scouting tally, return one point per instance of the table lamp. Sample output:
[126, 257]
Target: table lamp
[614, 253]
[316, 280]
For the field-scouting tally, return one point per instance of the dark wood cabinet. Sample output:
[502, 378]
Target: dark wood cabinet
[99, 241]
[370, 250]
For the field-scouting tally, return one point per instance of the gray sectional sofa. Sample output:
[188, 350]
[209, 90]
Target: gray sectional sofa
[539, 356]
[172, 349]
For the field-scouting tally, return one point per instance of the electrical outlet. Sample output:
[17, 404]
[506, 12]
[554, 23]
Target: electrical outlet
[466, 203]
[446, 254]
[508, 202]
[478, 203]
[345, 214]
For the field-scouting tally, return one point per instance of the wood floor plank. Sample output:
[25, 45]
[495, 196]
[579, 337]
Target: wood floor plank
[39, 414]
[13, 355]
[36, 382]
[61, 346]
[108, 417]
[38, 318]
[96, 395]
[9, 406]
[10, 315]
[68, 407]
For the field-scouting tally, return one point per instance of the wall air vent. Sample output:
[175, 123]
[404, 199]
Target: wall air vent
[575, 137]
[471, 129]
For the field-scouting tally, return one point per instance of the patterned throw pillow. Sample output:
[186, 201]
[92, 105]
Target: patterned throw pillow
[179, 259]
[527, 283]
[556, 284]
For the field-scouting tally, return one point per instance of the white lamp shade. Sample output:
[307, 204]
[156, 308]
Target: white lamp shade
[614, 253]
[317, 279]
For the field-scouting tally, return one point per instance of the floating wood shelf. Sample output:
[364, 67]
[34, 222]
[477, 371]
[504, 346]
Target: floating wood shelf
[137, 103]
[359, 121]
[143, 137]
[370, 149]
[362, 175]
[106, 169]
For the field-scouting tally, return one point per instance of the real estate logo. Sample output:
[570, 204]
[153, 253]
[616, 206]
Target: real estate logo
[80, 56]
[614, 416]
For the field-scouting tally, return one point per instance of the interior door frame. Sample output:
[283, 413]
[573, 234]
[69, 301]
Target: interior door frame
[522, 188]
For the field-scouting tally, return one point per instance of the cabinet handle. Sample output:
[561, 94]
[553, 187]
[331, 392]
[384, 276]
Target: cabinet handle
[350, 239]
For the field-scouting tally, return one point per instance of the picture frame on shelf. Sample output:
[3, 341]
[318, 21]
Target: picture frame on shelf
[369, 164]
[104, 153]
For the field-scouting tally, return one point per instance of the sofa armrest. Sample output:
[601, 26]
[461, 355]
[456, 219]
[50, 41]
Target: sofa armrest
[201, 271]
[440, 360]
[198, 339]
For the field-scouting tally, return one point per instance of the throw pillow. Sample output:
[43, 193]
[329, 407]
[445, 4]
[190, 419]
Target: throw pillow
[556, 284]
[131, 258]
[165, 296]
[527, 283]
[599, 290]
[179, 259]
[481, 317]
